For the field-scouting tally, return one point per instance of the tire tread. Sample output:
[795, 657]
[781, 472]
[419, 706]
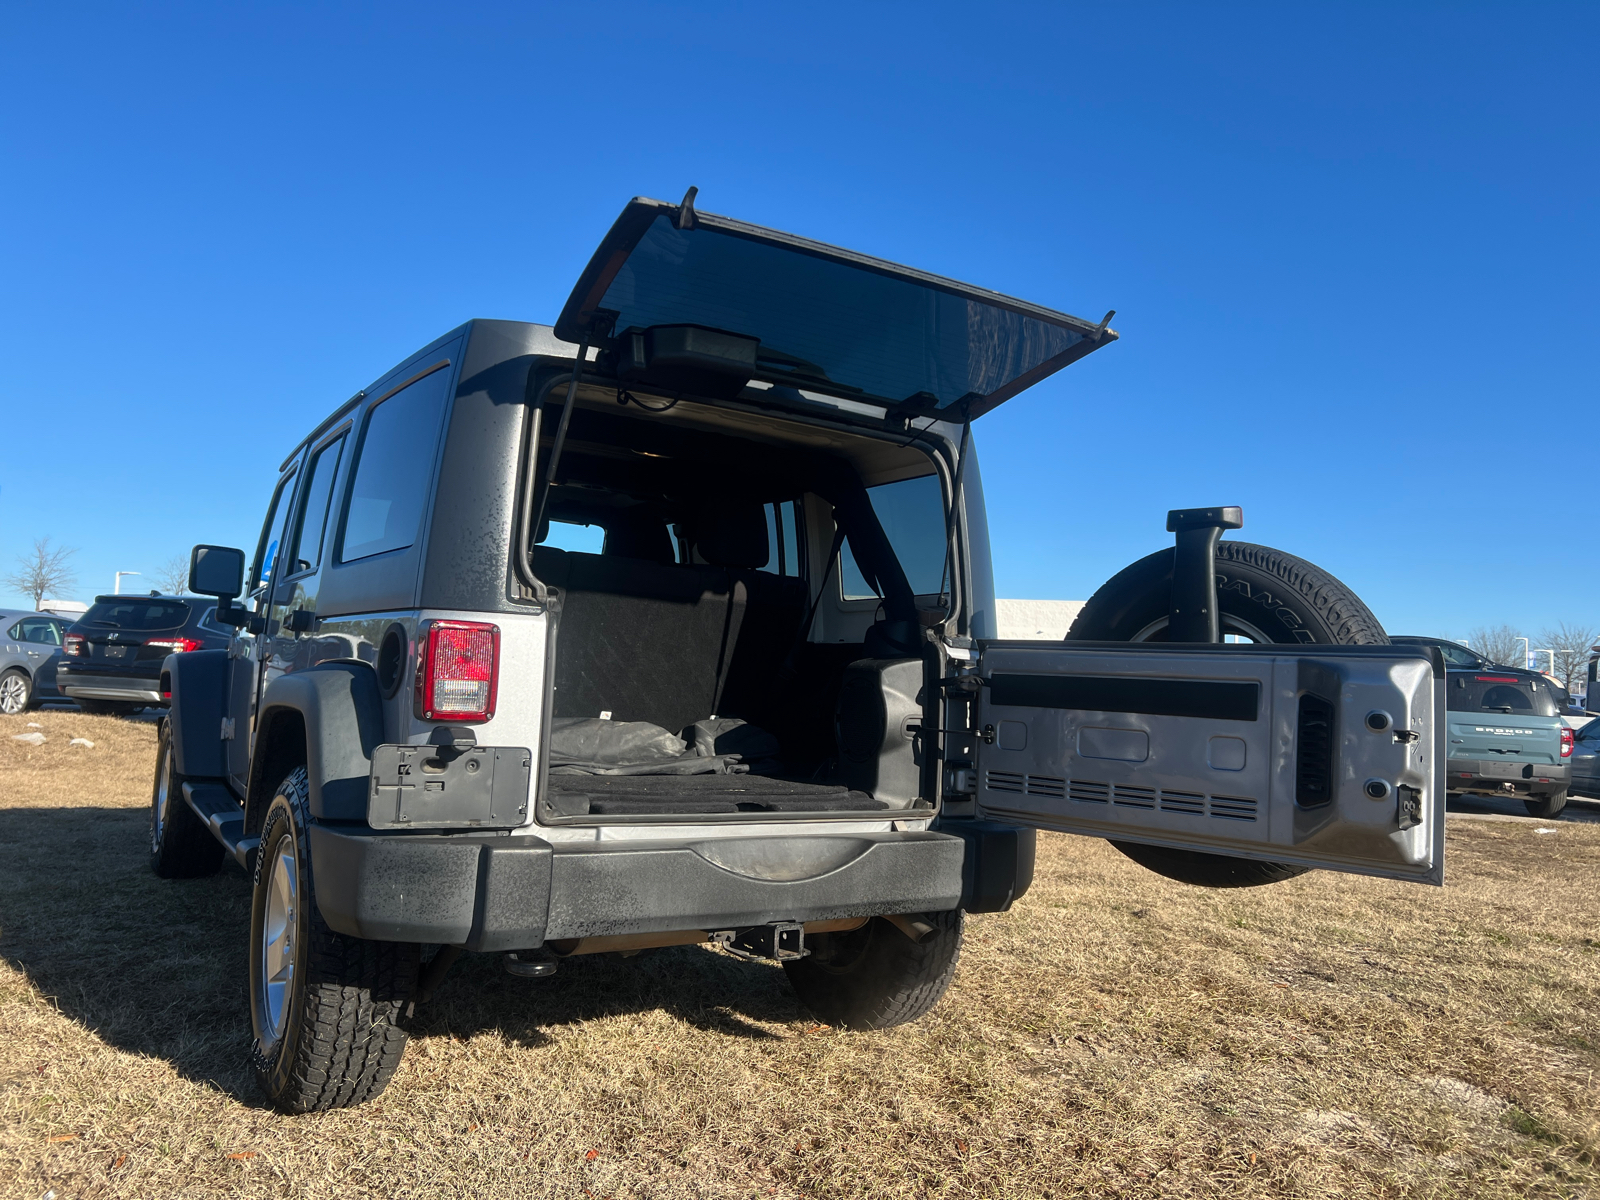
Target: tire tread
[349, 1040]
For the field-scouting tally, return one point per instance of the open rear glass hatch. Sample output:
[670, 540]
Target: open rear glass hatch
[688, 300]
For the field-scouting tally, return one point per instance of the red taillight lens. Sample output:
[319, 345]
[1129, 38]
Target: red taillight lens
[458, 671]
[1566, 742]
[178, 645]
[77, 645]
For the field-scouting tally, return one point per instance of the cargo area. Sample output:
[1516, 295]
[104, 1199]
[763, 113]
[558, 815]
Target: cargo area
[680, 543]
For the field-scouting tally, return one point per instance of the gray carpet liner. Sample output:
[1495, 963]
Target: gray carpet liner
[611, 795]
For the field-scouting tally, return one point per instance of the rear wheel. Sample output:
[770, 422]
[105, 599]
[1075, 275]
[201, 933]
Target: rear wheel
[16, 692]
[181, 847]
[1546, 807]
[324, 1007]
[876, 977]
[1263, 596]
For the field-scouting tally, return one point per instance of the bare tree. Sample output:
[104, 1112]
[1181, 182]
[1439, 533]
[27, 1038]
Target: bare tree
[172, 576]
[1572, 644]
[1499, 643]
[43, 572]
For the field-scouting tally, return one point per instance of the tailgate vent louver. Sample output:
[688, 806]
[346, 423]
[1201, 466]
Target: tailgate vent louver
[1089, 792]
[1047, 786]
[1183, 802]
[1129, 796]
[1313, 759]
[1004, 781]
[1234, 808]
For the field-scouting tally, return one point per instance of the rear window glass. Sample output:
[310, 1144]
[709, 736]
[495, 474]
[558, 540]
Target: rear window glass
[824, 322]
[139, 615]
[393, 470]
[912, 515]
[1504, 695]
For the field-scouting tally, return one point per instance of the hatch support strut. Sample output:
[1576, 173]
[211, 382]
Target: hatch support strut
[1192, 615]
[561, 437]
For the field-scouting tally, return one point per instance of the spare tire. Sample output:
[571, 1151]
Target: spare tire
[1263, 595]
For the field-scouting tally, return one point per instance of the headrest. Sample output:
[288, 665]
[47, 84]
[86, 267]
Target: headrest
[640, 538]
[733, 535]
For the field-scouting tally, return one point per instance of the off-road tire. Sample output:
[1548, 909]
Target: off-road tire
[109, 708]
[1262, 594]
[1546, 808]
[342, 1038]
[16, 692]
[181, 847]
[876, 977]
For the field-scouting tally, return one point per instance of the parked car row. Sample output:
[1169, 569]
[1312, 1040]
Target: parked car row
[109, 659]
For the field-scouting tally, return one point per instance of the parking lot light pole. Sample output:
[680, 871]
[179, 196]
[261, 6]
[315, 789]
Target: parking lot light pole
[1525, 654]
[116, 587]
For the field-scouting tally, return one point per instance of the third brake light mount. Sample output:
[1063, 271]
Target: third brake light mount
[1193, 614]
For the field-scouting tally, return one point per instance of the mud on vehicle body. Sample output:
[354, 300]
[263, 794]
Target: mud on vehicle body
[674, 623]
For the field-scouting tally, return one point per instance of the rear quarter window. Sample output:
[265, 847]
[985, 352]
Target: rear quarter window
[1502, 695]
[136, 615]
[912, 515]
[394, 466]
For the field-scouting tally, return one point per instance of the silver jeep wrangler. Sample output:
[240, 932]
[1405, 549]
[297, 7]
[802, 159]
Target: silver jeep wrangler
[674, 623]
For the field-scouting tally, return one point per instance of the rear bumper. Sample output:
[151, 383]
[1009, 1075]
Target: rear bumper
[516, 892]
[132, 688]
[1471, 775]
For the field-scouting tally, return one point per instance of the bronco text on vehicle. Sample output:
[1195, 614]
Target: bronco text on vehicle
[762, 705]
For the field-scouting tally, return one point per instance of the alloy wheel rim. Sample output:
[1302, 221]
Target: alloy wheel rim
[13, 695]
[1230, 625]
[158, 811]
[277, 939]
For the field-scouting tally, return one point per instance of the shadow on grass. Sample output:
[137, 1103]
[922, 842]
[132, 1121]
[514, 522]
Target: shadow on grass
[158, 967]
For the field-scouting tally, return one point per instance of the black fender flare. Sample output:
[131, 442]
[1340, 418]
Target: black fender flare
[337, 709]
[196, 684]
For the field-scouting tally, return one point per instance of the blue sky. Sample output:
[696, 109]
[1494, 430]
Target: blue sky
[1353, 251]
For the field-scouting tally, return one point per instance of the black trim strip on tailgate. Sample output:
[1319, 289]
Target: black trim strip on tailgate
[1222, 701]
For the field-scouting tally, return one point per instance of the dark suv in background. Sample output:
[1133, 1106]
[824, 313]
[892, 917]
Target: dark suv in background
[113, 653]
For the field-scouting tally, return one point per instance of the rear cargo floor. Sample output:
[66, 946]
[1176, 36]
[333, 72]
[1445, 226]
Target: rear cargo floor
[618, 795]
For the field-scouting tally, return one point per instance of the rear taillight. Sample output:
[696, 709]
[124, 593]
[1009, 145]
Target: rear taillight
[178, 645]
[77, 645]
[1566, 742]
[458, 668]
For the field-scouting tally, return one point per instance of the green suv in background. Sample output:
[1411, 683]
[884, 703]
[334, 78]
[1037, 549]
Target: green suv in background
[1507, 738]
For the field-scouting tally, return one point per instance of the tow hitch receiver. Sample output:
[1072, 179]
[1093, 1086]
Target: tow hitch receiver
[782, 941]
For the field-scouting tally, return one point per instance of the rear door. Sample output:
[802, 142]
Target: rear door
[681, 299]
[1586, 760]
[1327, 756]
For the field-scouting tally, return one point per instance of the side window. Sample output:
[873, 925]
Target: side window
[314, 508]
[392, 470]
[271, 533]
[39, 630]
[15, 632]
[583, 539]
[912, 515]
[783, 538]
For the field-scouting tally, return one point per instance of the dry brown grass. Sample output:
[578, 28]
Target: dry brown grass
[1116, 1034]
